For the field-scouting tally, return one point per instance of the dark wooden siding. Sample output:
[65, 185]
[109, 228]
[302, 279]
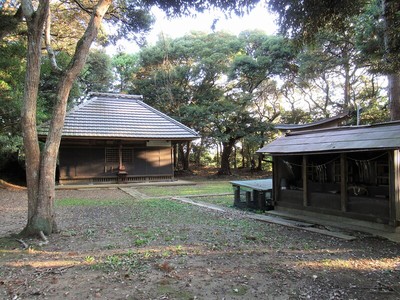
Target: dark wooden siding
[90, 162]
[81, 162]
[150, 161]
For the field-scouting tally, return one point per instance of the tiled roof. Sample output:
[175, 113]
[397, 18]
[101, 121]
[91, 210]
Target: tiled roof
[340, 139]
[121, 116]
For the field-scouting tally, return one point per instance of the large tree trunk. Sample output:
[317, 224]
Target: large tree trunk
[41, 168]
[260, 156]
[35, 23]
[394, 96]
[346, 105]
[225, 168]
[199, 153]
[390, 10]
[184, 156]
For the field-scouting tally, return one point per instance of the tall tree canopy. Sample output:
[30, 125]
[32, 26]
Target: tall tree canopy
[303, 19]
[216, 83]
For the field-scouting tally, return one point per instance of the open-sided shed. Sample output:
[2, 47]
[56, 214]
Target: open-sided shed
[118, 138]
[351, 171]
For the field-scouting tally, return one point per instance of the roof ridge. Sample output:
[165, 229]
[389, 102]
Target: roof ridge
[337, 117]
[338, 128]
[167, 117]
[116, 95]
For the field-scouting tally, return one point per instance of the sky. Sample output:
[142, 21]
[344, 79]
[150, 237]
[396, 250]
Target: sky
[258, 18]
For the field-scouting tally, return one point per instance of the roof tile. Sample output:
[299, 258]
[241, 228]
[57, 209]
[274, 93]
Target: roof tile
[121, 116]
[340, 139]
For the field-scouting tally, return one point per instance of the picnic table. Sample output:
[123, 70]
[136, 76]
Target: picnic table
[255, 194]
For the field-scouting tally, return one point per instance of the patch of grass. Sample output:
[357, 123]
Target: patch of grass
[198, 189]
[223, 200]
[176, 223]
[240, 291]
[127, 262]
[142, 236]
[173, 293]
[89, 259]
[89, 202]
[7, 243]
[89, 232]
[140, 242]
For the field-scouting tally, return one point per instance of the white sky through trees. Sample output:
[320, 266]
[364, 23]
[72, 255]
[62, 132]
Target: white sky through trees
[259, 18]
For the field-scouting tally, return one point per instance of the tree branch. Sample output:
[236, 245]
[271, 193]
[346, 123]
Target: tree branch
[47, 39]
[84, 8]
[27, 8]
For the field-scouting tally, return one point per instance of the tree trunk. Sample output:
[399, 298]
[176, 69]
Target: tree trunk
[35, 23]
[199, 153]
[346, 105]
[217, 157]
[243, 156]
[184, 156]
[390, 9]
[260, 156]
[41, 168]
[225, 168]
[187, 156]
[394, 96]
[235, 157]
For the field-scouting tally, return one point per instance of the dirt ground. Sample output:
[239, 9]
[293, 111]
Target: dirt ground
[102, 252]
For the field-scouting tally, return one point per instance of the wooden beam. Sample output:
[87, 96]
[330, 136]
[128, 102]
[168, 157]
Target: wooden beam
[275, 178]
[343, 182]
[236, 195]
[305, 181]
[394, 184]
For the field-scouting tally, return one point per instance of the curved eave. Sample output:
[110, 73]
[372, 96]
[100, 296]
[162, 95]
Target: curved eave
[123, 138]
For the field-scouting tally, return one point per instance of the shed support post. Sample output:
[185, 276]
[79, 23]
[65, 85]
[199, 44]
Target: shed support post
[394, 203]
[275, 181]
[248, 199]
[260, 199]
[305, 179]
[343, 182]
[236, 195]
[172, 163]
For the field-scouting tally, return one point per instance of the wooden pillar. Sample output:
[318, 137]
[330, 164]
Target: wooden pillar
[248, 198]
[343, 182]
[275, 179]
[305, 181]
[120, 166]
[172, 162]
[261, 199]
[236, 196]
[394, 184]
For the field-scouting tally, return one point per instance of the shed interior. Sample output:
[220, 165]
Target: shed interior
[316, 182]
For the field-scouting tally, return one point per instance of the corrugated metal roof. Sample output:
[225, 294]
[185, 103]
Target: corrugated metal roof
[121, 116]
[341, 139]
